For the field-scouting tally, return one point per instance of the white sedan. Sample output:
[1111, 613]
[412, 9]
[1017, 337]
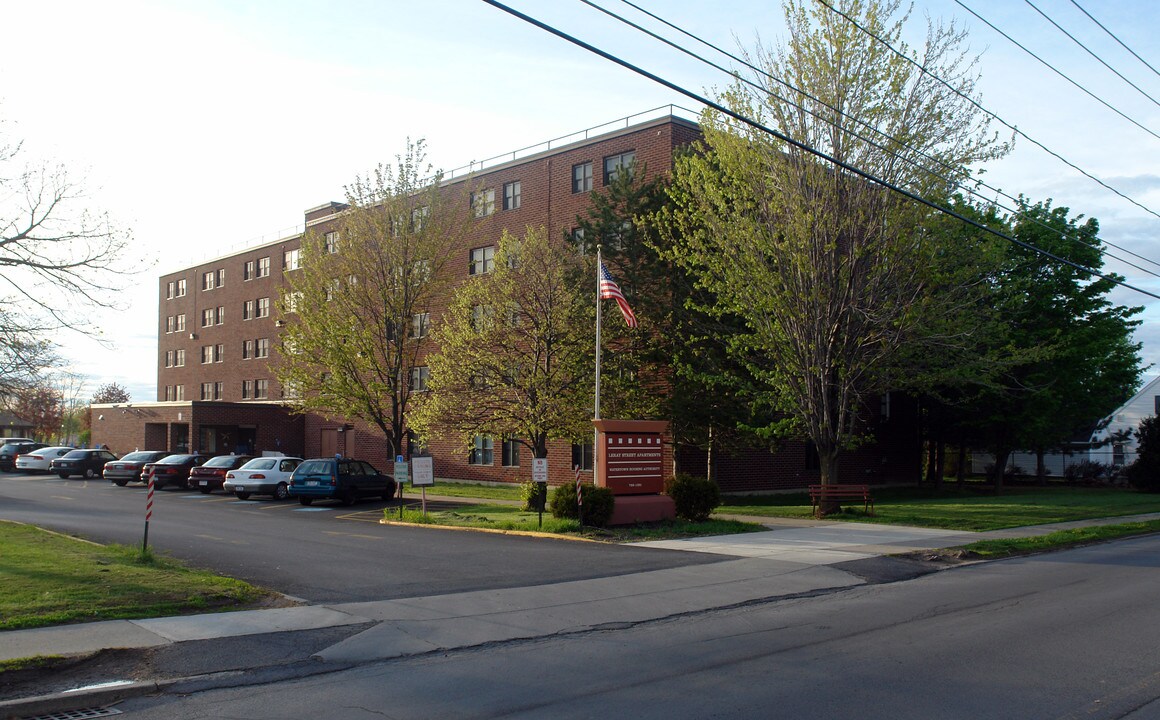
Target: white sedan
[36, 461]
[262, 476]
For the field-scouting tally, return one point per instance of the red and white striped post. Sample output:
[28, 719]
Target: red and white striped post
[148, 513]
[579, 498]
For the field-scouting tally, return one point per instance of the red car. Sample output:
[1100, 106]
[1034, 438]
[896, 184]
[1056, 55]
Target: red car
[172, 469]
[211, 474]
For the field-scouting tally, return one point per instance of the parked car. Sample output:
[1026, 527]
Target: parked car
[129, 468]
[172, 469]
[88, 462]
[13, 447]
[262, 476]
[341, 478]
[211, 474]
[36, 461]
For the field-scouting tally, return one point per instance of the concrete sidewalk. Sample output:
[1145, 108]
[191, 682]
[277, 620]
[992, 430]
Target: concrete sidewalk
[792, 558]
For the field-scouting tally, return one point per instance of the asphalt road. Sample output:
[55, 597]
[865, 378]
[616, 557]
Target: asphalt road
[325, 553]
[1060, 636]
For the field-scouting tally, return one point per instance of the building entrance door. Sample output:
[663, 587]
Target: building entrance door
[328, 442]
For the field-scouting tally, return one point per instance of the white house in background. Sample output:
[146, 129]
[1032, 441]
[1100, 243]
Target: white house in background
[1124, 421]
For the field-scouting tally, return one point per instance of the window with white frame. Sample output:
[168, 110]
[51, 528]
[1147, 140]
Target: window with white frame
[614, 164]
[170, 323]
[207, 280]
[261, 389]
[169, 356]
[511, 195]
[331, 240]
[482, 260]
[290, 260]
[220, 315]
[207, 317]
[582, 177]
[247, 270]
[262, 348]
[482, 451]
[419, 378]
[291, 301]
[179, 359]
[419, 217]
[481, 317]
[221, 277]
[247, 389]
[180, 323]
[206, 354]
[483, 202]
[263, 267]
[248, 310]
[420, 325]
[181, 286]
[247, 349]
[207, 391]
[511, 452]
[170, 288]
[219, 353]
[263, 307]
[170, 393]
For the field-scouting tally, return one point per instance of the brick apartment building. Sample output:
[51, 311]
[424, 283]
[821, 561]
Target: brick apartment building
[219, 335]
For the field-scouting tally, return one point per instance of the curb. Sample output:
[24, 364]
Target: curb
[74, 699]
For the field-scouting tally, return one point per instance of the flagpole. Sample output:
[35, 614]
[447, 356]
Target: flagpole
[596, 406]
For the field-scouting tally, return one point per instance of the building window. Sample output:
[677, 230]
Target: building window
[221, 277]
[248, 270]
[481, 316]
[247, 389]
[180, 323]
[207, 280]
[482, 260]
[420, 325]
[219, 352]
[207, 317]
[247, 349]
[482, 451]
[263, 267]
[613, 164]
[511, 452]
[207, 391]
[263, 307]
[179, 359]
[289, 260]
[483, 202]
[511, 195]
[170, 288]
[579, 241]
[170, 393]
[179, 393]
[206, 354]
[169, 358]
[582, 456]
[419, 377]
[181, 288]
[219, 390]
[331, 239]
[247, 309]
[220, 315]
[582, 178]
[419, 218]
[291, 302]
[262, 348]
[170, 323]
[261, 389]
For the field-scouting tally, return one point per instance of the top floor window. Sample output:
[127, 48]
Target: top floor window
[482, 260]
[290, 260]
[483, 202]
[613, 164]
[582, 177]
[419, 217]
[207, 280]
[248, 270]
[331, 240]
[181, 288]
[263, 267]
[169, 290]
[511, 195]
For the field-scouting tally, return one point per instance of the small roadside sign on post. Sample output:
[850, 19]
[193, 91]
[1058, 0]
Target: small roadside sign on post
[422, 475]
[540, 478]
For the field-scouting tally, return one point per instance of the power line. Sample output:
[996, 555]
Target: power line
[1089, 52]
[1058, 72]
[897, 156]
[1003, 122]
[1113, 36]
[813, 151]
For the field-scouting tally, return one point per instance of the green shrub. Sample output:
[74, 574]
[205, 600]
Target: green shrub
[696, 498]
[530, 493]
[1144, 473]
[598, 503]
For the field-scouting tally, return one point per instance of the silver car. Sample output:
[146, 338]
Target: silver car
[262, 476]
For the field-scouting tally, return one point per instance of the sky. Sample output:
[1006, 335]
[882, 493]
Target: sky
[205, 126]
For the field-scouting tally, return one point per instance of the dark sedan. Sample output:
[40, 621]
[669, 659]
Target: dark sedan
[173, 469]
[88, 463]
[211, 474]
[129, 468]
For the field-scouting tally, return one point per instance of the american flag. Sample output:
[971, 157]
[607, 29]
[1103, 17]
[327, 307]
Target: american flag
[609, 290]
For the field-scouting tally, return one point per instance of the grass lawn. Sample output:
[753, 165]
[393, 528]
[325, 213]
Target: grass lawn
[51, 579]
[970, 509]
[471, 490]
[510, 518]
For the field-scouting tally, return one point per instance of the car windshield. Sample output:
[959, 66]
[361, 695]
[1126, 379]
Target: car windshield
[221, 461]
[174, 459]
[11, 448]
[315, 467]
[76, 455]
[260, 464]
[139, 456]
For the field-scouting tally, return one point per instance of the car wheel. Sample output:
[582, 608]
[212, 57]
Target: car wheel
[121, 483]
[89, 474]
[63, 476]
[242, 495]
[281, 492]
[349, 497]
[305, 500]
[388, 492]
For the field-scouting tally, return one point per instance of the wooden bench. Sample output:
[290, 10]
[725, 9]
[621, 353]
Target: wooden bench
[822, 495]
